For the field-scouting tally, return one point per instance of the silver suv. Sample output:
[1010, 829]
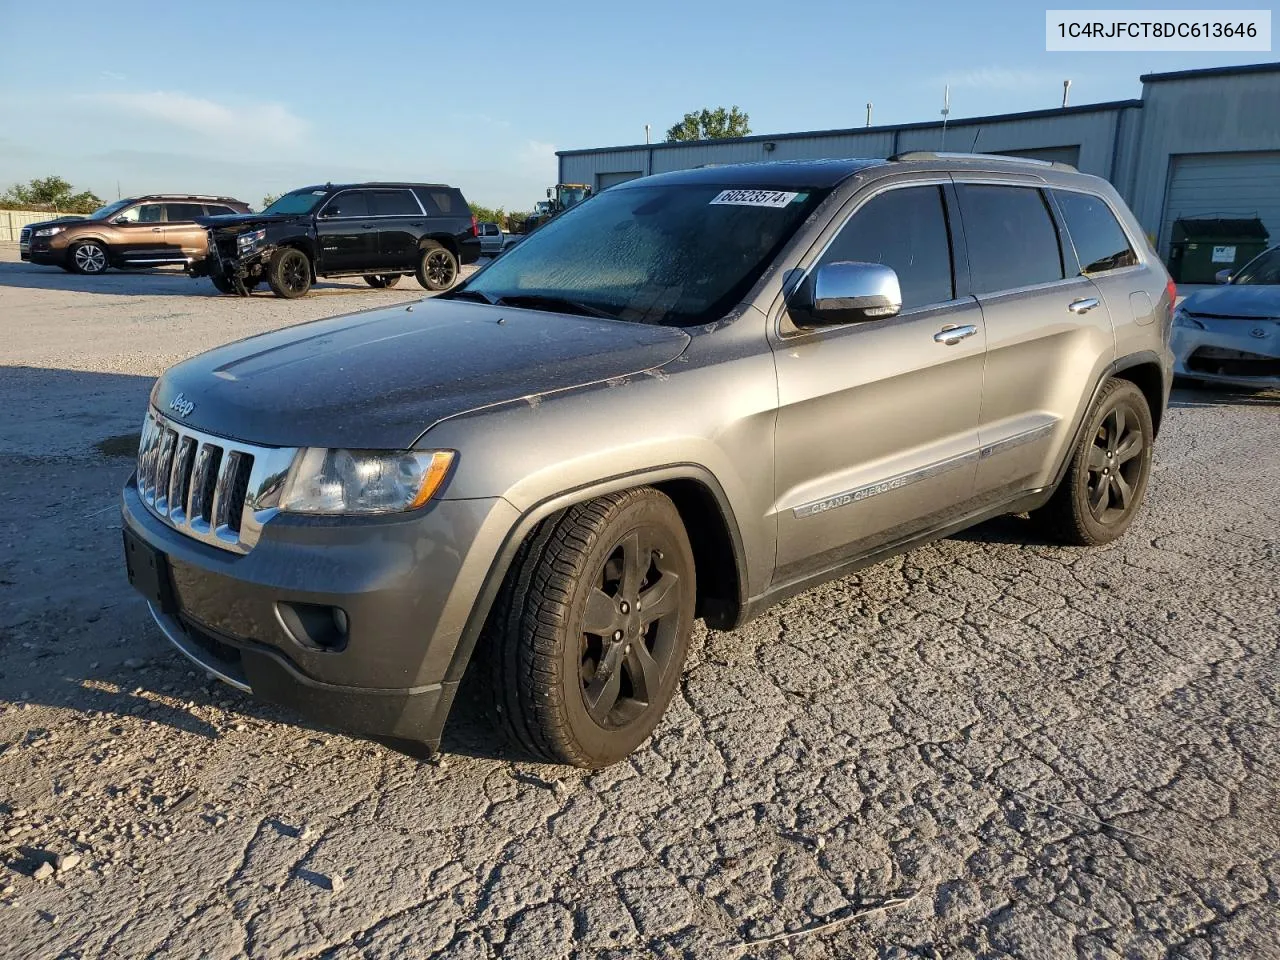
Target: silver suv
[691, 396]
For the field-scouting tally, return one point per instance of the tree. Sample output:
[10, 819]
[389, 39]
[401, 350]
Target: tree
[269, 199]
[52, 191]
[707, 124]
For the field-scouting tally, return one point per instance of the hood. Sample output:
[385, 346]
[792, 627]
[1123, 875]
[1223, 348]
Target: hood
[1251, 301]
[238, 220]
[379, 379]
[53, 223]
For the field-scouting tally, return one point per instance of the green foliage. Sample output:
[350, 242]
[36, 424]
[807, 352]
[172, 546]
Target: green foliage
[50, 193]
[269, 199]
[505, 219]
[711, 125]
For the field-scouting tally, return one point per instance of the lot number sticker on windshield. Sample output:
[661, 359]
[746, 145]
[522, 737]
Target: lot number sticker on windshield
[755, 198]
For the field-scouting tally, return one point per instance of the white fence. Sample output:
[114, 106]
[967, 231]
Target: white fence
[12, 222]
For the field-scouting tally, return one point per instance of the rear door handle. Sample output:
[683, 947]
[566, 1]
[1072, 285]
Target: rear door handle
[367, 226]
[952, 333]
[156, 229]
[1083, 305]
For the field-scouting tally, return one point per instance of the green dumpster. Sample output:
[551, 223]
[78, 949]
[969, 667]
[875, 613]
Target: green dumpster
[1201, 247]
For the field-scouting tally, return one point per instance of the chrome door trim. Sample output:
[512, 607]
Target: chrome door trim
[174, 633]
[1017, 439]
[866, 491]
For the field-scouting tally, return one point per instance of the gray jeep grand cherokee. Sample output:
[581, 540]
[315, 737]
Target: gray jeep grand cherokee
[691, 396]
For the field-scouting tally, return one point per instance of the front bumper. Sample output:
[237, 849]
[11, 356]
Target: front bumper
[1240, 352]
[42, 251]
[406, 584]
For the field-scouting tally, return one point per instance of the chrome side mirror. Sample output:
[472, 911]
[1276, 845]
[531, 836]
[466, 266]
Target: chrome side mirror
[1222, 276]
[846, 291]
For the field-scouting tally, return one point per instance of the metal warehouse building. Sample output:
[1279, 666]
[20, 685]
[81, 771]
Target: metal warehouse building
[1199, 143]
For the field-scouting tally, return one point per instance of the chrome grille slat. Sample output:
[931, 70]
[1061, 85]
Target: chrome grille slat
[214, 490]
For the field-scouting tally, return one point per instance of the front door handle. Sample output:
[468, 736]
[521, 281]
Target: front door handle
[1083, 305]
[367, 226]
[156, 229]
[953, 333]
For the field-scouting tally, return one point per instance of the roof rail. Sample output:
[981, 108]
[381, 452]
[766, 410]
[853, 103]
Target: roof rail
[939, 155]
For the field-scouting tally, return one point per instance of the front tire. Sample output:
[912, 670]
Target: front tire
[437, 267]
[89, 257]
[383, 281]
[289, 273]
[1107, 477]
[588, 638]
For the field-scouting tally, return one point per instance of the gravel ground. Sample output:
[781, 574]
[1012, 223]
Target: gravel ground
[988, 746]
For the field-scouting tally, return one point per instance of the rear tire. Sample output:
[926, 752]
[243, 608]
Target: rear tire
[1107, 477]
[588, 637]
[89, 257]
[383, 281]
[437, 267]
[289, 273]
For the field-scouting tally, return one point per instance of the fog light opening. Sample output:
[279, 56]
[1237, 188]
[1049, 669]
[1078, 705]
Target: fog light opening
[315, 626]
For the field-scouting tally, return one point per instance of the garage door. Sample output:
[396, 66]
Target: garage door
[1069, 155]
[605, 180]
[1223, 185]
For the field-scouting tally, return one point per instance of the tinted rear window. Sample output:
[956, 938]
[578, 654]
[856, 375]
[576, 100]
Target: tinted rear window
[393, 203]
[216, 210]
[1011, 237]
[905, 229]
[183, 211]
[1098, 238]
[443, 202]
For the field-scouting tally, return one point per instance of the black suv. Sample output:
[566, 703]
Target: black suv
[381, 231]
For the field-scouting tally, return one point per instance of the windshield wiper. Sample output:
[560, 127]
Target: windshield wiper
[538, 301]
[470, 295]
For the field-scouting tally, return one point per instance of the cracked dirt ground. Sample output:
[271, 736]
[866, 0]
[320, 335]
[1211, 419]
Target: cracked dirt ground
[1051, 752]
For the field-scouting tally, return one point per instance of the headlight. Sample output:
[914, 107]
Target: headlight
[363, 481]
[247, 241]
[49, 231]
[1183, 319]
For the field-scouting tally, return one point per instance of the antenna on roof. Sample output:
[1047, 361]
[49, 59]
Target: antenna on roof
[868, 113]
[1066, 89]
[946, 111]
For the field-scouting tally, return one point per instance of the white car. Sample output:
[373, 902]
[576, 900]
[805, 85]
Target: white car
[1230, 334]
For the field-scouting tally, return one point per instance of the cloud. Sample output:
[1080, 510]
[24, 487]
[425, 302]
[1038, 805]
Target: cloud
[263, 122]
[535, 151]
[999, 78]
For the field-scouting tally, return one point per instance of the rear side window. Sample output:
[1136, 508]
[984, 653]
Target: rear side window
[905, 229]
[1099, 240]
[183, 211]
[443, 202]
[214, 210]
[1011, 237]
[352, 203]
[393, 203]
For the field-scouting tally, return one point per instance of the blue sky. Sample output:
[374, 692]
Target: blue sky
[256, 98]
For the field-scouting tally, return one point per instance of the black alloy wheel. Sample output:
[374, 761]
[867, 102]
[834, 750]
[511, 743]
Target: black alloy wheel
[1115, 464]
[437, 268]
[289, 273]
[586, 642]
[1106, 480]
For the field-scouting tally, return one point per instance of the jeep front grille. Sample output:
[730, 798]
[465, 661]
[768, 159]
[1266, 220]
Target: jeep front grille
[216, 490]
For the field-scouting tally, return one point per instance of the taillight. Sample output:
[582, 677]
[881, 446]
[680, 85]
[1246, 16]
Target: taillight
[1171, 288]
[475, 230]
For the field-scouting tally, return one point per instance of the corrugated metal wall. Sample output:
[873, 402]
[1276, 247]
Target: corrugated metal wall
[1200, 115]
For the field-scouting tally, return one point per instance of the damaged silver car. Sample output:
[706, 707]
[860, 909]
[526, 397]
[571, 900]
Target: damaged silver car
[1230, 335]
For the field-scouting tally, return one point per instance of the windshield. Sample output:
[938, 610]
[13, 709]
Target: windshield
[665, 254]
[103, 212]
[569, 196]
[1262, 269]
[304, 201]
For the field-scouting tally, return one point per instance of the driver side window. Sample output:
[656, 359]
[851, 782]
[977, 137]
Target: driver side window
[904, 228]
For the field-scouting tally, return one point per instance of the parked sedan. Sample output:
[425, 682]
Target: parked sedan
[1230, 335]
